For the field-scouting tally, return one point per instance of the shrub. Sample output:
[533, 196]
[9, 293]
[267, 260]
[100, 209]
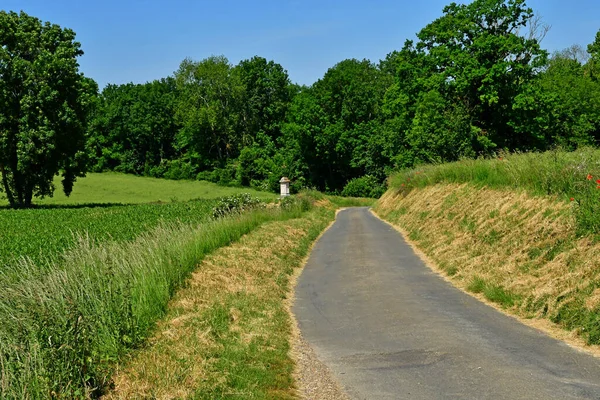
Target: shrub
[223, 176]
[301, 203]
[235, 204]
[366, 186]
[177, 169]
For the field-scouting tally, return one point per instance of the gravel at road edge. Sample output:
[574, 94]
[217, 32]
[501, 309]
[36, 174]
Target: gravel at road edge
[314, 380]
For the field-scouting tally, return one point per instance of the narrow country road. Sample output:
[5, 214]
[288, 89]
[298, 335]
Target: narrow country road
[389, 328]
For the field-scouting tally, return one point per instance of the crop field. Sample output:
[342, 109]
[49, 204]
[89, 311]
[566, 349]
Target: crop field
[105, 206]
[40, 234]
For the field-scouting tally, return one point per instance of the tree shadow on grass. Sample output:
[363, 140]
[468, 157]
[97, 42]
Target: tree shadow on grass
[66, 206]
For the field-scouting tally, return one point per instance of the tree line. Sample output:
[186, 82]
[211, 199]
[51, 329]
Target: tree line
[475, 82]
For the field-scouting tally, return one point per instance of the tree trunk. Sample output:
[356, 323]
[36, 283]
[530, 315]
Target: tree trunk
[9, 193]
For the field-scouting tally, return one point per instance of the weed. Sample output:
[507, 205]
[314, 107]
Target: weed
[415, 235]
[451, 270]
[492, 237]
[477, 285]
[499, 295]
[236, 204]
[534, 253]
[468, 224]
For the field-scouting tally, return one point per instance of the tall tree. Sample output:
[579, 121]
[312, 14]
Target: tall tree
[266, 97]
[133, 128]
[593, 66]
[209, 111]
[336, 121]
[44, 106]
[477, 60]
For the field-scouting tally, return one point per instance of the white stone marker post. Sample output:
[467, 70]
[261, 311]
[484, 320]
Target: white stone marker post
[285, 186]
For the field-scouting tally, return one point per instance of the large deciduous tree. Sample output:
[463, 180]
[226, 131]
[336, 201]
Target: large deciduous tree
[133, 128]
[208, 111]
[479, 65]
[44, 105]
[335, 123]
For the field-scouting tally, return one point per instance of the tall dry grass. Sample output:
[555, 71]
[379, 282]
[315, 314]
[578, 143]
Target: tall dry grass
[518, 250]
[569, 176]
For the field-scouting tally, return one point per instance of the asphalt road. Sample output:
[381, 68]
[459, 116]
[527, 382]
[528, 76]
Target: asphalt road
[389, 328]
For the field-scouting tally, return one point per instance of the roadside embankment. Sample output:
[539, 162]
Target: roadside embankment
[520, 251]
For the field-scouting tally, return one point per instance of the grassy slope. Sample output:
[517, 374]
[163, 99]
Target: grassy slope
[129, 189]
[497, 236]
[567, 176]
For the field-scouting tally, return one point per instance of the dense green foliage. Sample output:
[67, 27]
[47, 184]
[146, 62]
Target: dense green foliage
[134, 129]
[569, 176]
[44, 106]
[65, 325]
[474, 83]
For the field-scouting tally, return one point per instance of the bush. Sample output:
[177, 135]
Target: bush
[178, 169]
[222, 176]
[366, 186]
[236, 204]
[302, 203]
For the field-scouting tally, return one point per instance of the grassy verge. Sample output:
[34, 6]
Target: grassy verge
[63, 330]
[520, 251]
[115, 188]
[568, 176]
[226, 334]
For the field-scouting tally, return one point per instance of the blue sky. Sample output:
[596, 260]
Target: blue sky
[137, 41]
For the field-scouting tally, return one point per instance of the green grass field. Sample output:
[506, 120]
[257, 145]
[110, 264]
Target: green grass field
[114, 188]
[85, 279]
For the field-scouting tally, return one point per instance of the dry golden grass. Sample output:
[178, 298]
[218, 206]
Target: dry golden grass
[523, 248]
[197, 354]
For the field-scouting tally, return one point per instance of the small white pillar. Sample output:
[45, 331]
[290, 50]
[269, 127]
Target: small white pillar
[285, 186]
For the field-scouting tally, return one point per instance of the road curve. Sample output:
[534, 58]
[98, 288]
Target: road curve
[389, 328]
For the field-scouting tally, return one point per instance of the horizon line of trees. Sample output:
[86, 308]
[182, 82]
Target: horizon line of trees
[475, 81]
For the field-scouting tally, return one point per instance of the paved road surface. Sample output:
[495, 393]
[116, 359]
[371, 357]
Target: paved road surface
[389, 328]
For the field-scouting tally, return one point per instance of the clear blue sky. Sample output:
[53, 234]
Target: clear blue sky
[137, 41]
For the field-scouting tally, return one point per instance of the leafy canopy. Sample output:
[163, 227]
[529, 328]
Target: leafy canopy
[44, 105]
